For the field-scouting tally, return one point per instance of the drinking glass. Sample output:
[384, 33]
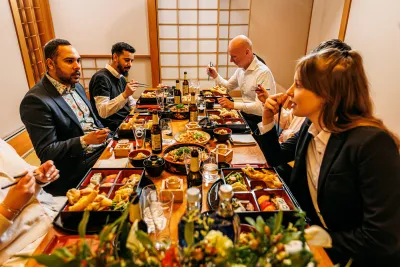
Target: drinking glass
[194, 84]
[169, 94]
[140, 136]
[210, 169]
[160, 98]
[160, 205]
[166, 129]
[145, 207]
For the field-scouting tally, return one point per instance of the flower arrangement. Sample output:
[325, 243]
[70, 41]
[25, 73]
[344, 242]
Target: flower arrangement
[268, 243]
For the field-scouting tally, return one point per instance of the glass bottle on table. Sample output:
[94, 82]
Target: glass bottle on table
[185, 84]
[194, 178]
[193, 111]
[225, 219]
[156, 135]
[191, 225]
[177, 94]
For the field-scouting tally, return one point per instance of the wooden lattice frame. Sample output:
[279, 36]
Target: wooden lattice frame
[218, 24]
[34, 27]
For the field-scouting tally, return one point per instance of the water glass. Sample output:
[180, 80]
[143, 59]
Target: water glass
[160, 98]
[210, 169]
[169, 94]
[160, 205]
[145, 207]
[140, 136]
[194, 84]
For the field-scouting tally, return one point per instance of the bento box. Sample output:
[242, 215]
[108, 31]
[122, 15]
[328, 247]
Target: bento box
[105, 192]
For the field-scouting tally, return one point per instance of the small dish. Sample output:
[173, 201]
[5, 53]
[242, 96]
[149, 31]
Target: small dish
[222, 137]
[154, 166]
[138, 162]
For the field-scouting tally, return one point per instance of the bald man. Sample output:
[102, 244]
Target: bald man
[249, 74]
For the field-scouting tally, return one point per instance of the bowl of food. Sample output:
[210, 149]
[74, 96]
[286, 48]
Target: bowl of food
[137, 157]
[154, 166]
[195, 137]
[192, 126]
[222, 134]
[209, 103]
[174, 156]
[180, 112]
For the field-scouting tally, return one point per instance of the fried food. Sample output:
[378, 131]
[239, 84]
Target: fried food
[73, 196]
[270, 178]
[84, 201]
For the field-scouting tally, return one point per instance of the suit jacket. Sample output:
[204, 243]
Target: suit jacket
[55, 133]
[358, 191]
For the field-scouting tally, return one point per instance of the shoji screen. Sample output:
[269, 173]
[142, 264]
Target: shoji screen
[193, 33]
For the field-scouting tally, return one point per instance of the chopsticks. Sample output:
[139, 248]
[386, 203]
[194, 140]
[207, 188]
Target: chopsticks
[279, 117]
[19, 176]
[211, 65]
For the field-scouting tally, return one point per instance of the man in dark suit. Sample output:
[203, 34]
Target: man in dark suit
[60, 120]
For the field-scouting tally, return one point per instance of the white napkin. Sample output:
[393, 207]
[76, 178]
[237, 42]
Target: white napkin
[112, 163]
[243, 139]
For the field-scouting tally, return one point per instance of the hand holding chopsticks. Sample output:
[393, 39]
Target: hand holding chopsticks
[211, 71]
[273, 105]
[46, 173]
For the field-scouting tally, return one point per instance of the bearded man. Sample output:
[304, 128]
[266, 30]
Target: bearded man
[110, 94]
[60, 120]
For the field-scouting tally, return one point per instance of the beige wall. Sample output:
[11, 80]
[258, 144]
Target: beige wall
[279, 31]
[374, 30]
[93, 26]
[14, 84]
[325, 21]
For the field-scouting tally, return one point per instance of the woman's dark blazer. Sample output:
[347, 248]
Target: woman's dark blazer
[358, 190]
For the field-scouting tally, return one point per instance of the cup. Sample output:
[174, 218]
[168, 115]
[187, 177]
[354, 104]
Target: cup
[210, 169]
[140, 136]
[160, 98]
[145, 207]
[160, 206]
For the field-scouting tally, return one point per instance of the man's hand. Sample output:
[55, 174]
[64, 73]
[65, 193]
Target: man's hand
[47, 172]
[96, 137]
[262, 94]
[212, 72]
[225, 103]
[271, 107]
[130, 88]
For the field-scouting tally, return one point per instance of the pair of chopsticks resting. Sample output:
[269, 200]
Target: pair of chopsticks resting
[211, 65]
[19, 176]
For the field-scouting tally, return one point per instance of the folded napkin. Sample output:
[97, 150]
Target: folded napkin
[112, 163]
[242, 140]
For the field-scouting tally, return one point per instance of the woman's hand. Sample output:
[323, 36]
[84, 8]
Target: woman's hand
[262, 94]
[47, 172]
[96, 137]
[20, 194]
[271, 107]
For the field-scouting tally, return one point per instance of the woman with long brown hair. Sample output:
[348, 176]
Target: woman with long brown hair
[347, 166]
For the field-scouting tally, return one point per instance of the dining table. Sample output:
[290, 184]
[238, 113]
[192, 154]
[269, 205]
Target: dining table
[250, 154]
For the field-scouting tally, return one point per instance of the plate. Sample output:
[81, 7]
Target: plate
[206, 135]
[178, 167]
